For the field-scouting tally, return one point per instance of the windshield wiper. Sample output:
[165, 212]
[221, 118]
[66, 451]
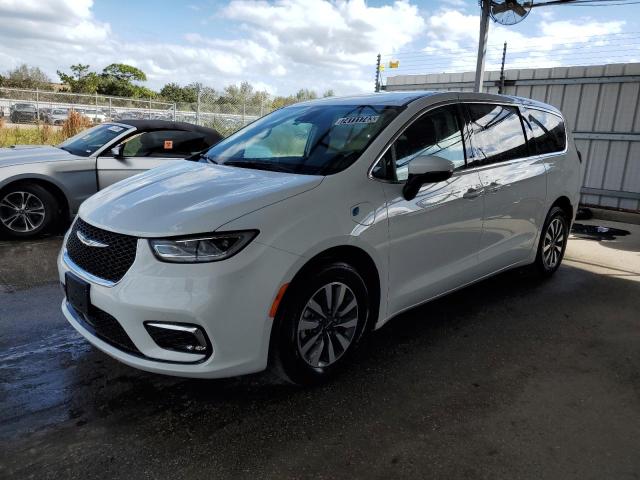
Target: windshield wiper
[273, 167]
[208, 159]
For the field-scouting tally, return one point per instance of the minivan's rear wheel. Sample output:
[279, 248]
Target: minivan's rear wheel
[320, 322]
[553, 242]
[26, 210]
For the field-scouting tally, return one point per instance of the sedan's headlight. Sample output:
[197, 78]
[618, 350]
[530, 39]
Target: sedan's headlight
[209, 248]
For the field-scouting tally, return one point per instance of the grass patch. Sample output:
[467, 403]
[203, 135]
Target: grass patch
[42, 133]
[36, 135]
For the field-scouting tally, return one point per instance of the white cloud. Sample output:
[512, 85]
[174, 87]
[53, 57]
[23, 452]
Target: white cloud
[59, 21]
[452, 41]
[285, 45]
[290, 44]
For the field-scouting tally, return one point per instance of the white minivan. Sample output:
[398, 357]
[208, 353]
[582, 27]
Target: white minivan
[293, 237]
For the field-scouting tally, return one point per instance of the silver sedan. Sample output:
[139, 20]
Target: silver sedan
[41, 187]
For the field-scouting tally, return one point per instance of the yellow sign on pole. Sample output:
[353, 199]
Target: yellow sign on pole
[394, 63]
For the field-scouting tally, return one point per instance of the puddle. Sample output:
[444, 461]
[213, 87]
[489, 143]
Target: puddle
[597, 232]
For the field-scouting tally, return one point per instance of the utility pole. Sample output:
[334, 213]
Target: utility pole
[504, 56]
[198, 105]
[378, 74]
[482, 44]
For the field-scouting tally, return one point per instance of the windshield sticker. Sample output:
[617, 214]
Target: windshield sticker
[116, 129]
[360, 119]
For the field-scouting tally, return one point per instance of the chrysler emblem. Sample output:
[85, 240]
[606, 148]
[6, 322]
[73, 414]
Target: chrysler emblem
[89, 242]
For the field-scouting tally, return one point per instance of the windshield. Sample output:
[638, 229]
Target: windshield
[88, 141]
[310, 139]
[25, 106]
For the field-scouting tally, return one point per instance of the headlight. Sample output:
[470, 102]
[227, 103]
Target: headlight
[210, 248]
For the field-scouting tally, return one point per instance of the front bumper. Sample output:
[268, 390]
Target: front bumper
[230, 300]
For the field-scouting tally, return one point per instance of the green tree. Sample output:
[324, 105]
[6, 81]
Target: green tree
[175, 93]
[301, 95]
[329, 93]
[25, 76]
[124, 72]
[80, 80]
[305, 94]
[237, 94]
[141, 91]
[118, 79]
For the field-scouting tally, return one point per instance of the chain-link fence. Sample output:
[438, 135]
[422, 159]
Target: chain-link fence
[224, 114]
[30, 106]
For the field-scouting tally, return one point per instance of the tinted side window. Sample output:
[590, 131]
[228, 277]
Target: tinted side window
[496, 133]
[545, 131]
[165, 143]
[435, 133]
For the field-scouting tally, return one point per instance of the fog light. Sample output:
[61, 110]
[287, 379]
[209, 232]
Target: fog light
[183, 338]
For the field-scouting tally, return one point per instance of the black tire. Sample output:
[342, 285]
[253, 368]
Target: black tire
[19, 228]
[545, 263]
[288, 342]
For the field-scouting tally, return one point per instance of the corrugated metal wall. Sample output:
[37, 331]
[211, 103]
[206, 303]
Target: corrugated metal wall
[600, 104]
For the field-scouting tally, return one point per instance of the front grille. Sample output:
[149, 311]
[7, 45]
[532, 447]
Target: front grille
[109, 263]
[107, 328]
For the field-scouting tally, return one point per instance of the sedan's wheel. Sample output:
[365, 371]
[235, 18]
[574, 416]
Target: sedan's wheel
[26, 210]
[319, 323]
[553, 242]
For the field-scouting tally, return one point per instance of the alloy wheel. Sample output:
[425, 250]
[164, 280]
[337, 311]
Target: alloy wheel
[554, 240]
[21, 212]
[327, 325]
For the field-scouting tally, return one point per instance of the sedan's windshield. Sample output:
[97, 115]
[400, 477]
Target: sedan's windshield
[88, 141]
[311, 139]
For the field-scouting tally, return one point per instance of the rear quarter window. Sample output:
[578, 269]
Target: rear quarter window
[545, 131]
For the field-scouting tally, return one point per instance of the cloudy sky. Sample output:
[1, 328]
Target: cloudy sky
[284, 45]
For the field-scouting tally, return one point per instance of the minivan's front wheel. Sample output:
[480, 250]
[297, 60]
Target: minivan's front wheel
[321, 321]
[553, 242]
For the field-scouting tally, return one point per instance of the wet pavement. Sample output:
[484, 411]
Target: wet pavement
[510, 378]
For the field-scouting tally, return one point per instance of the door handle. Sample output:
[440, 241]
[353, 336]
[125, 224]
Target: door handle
[472, 193]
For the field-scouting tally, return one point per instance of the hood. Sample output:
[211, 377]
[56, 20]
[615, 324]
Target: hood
[22, 154]
[186, 198]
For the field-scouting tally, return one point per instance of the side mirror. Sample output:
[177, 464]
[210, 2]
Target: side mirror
[426, 169]
[118, 152]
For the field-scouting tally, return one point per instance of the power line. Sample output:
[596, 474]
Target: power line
[584, 3]
[530, 61]
[531, 55]
[602, 5]
[564, 39]
[557, 53]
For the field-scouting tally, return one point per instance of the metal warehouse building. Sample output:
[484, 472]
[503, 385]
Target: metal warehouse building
[600, 104]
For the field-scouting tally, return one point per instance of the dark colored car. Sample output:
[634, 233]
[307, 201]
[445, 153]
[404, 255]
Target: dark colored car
[23, 113]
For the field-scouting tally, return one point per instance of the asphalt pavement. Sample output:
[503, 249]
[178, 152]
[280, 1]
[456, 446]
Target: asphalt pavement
[510, 378]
